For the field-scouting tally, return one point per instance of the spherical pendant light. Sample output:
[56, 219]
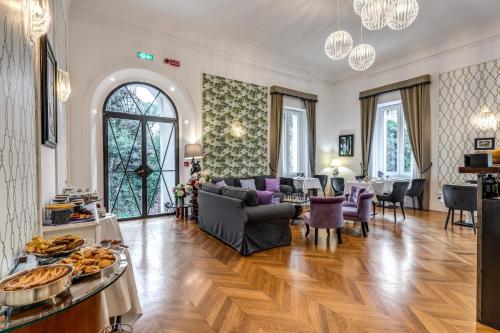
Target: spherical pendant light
[338, 45]
[362, 57]
[401, 13]
[373, 14]
[358, 6]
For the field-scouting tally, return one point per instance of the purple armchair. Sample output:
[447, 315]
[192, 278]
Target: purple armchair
[361, 213]
[353, 197]
[325, 213]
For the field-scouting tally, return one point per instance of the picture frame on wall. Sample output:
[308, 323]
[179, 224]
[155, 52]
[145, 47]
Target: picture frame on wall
[484, 144]
[346, 145]
[48, 94]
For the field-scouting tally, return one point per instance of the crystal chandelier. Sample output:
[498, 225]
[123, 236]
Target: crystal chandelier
[373, 14]
[401, 13]
[486, 120]
[36, 18]
[338, 44]
[358, 6]
[63, 85]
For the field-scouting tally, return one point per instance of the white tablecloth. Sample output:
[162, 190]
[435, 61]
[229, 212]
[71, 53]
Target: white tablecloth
[121, 298]
[379, 186]
[307, 184]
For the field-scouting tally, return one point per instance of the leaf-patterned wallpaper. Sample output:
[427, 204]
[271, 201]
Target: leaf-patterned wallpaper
[226, 102]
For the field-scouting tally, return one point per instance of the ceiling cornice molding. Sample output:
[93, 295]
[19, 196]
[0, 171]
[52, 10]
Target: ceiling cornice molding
[293, 68]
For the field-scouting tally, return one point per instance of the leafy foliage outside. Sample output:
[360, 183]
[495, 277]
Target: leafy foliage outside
[392, 140]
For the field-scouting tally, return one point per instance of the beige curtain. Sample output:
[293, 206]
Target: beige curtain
[417, 111]
[311, 133]
[368, 115]
[275, 132]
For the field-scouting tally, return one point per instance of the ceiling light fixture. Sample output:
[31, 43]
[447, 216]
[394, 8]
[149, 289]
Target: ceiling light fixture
[402, 13]
[338, 44]
[362, 56]
[373, 14]
[63, 85]
[358, 6]
[36, 18]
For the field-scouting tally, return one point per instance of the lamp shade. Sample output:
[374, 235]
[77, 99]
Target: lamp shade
[193, 151]
[336, 163]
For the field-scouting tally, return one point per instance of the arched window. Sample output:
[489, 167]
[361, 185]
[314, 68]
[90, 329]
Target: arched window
[140, 151]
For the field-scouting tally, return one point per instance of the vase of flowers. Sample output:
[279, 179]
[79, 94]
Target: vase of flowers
[196, 181]
[181, 191]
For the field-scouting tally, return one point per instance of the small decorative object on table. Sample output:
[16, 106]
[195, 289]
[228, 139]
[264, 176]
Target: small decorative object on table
[180, 192]
[197, 179]
[335, 164]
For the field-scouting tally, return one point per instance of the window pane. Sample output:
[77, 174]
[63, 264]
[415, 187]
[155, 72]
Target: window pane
[407, 151]
[391, 140]
[293, 143]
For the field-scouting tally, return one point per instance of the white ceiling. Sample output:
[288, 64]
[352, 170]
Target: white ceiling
[294, 29]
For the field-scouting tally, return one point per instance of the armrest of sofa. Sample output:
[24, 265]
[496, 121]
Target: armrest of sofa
[287, 189]
[268, 213]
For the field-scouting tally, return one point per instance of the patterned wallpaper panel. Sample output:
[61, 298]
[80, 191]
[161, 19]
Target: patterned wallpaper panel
[462, 95]
[18, 189]
[226, 102]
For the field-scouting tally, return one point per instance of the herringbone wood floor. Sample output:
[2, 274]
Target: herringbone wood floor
[415, 277]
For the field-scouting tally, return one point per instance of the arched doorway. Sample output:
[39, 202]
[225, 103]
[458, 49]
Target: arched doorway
[141, 151]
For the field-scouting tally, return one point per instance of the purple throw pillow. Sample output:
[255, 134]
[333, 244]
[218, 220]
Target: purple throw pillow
[222, 183]
[264, 197]
[272, 185]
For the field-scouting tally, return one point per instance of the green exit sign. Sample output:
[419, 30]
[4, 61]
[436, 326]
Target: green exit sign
[146, 56]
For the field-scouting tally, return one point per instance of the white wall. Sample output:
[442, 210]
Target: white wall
[345, 115]
[102, 48]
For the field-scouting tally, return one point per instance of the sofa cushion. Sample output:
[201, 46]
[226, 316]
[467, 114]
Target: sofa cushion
[272, 185]
[248, 183]
[221, 183]
[260, 182]
[264, 197]
[212, 188]
[246, 195]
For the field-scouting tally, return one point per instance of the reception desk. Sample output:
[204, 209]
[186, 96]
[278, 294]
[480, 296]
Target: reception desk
[77, 310]
[488, 251]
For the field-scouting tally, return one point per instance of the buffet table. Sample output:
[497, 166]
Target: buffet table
[76, 310]
[121, 299]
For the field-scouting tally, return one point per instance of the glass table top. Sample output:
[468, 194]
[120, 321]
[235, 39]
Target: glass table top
[82, 289]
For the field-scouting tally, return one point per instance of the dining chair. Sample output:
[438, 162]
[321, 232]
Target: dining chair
[361, 212]
[458, 197]
[338, 185]
[325, 213]
[322, 180]
[359, 178]
[396, 196]
[415, 191]
[352, 198]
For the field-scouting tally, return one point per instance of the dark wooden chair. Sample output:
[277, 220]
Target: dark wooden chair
[396, 196]
[462, 198]
[338, 186]
[359, 178]
[415, 191]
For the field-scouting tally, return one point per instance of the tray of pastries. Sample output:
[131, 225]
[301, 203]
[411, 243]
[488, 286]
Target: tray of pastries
[42, 247]
[35, 285]
[90, 260]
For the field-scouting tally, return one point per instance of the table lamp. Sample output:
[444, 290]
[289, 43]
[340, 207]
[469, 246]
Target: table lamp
[193, 151]
[335, 164]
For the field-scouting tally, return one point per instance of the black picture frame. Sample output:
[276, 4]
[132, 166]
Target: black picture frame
[48, 93]
[484, 144]
[346, 145]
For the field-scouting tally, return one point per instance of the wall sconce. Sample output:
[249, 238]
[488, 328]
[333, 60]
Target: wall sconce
[63, 85]
[335, 164]
[237, 130]
[486, 119]
[36, 18]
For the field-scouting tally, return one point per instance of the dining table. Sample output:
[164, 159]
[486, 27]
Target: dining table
[306, 184]
[377, 185]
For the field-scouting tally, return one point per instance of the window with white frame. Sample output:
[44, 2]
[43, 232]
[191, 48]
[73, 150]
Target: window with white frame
[294, 157]
[391, 150]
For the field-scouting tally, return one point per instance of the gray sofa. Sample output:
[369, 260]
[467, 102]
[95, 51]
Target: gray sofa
[232, 215]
